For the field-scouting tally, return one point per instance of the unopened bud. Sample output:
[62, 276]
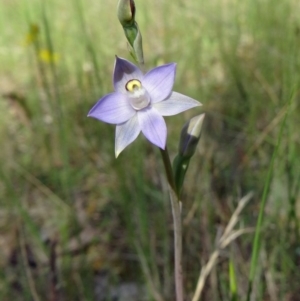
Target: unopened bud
[189, 138]
[126, 15]
[190, 135]
[126, 12]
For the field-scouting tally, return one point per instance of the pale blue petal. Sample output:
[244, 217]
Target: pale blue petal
[126, 133]
[153, 126]
[175, 104]
[125, 71]
[112, 108]
[159, 82]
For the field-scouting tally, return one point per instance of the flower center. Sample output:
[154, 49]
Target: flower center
[138, 96]
[133, 85]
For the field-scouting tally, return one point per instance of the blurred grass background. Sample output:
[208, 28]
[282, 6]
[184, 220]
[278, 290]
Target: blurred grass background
[77, 224]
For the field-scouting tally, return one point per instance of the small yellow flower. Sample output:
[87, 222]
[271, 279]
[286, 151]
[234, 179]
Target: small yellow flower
[48, 56]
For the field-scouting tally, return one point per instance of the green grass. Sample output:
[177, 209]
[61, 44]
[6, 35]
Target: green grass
[60, 183]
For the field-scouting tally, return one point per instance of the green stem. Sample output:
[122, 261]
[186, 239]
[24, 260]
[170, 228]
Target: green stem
[59, 110]
[257, 236]
[176, 213]
[168, 167]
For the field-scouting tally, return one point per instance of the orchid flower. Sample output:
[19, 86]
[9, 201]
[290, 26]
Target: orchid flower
[139, 102]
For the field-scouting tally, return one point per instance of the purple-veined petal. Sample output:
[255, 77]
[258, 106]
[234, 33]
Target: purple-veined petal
[153, 126]
[175, 104]
[112, 108]
[159, 82]
[126, 133]
[125, 71]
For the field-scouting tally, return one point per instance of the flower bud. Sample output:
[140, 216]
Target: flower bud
[126, 12]
[126, 15]
[190, 135]
[189, 138]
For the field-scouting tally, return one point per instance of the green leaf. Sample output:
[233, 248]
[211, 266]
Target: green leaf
[180, 167]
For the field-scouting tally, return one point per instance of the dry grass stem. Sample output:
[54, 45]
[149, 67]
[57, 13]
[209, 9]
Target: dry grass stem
[146, 271]
[41, 187]
[30, 280]
[228, 236]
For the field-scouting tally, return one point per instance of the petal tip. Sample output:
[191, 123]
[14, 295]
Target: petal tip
[90, 114]
[117, 152]
[118, 58]
[163, 147]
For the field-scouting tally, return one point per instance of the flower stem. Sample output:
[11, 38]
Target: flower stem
[176, 212]
[168, 168]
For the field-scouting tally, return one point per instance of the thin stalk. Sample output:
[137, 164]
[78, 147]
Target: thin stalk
[257, 236]
[168, 168]
[59, 111]
[88, 40]
[176, 213]
[29, 275]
